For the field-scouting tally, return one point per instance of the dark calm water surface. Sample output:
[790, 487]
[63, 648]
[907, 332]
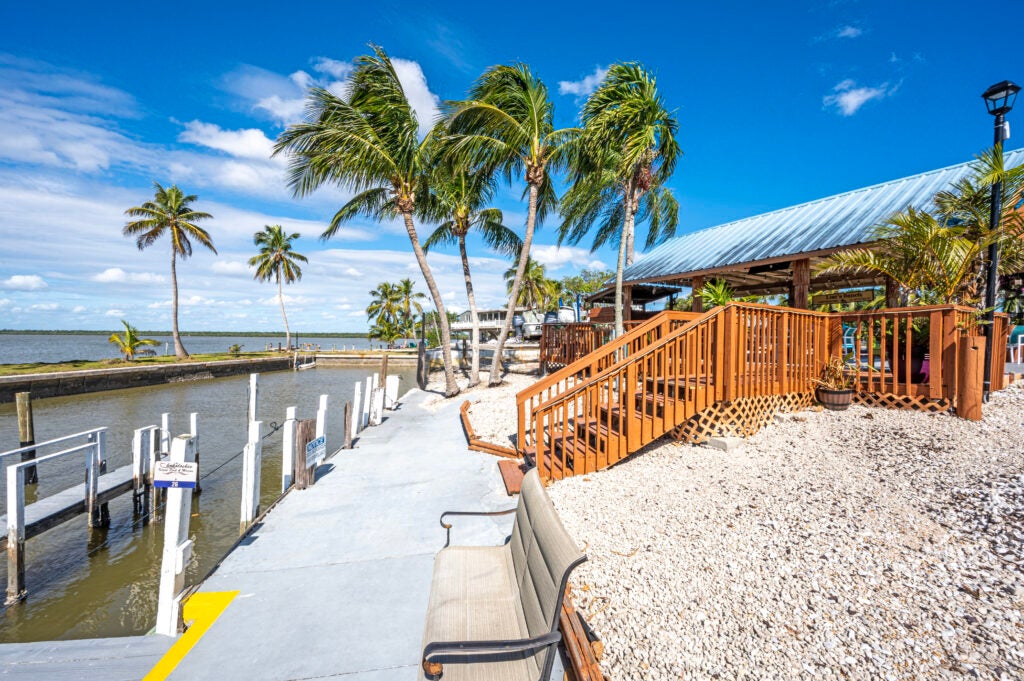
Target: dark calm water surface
[82, 587]
[19, 348]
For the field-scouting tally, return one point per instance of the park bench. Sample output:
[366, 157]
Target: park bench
[493, 611]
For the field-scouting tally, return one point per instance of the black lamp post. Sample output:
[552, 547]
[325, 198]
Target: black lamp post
[999, 99]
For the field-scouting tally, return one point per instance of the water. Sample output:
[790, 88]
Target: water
[106, 586]
[19, 348]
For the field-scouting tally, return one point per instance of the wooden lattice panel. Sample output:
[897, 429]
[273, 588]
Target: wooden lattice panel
[891, 401]
[741, 417]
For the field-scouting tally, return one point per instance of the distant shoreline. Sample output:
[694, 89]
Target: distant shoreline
[255, 334]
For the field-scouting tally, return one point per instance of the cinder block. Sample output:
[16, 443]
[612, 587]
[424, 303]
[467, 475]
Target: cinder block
[725, 444]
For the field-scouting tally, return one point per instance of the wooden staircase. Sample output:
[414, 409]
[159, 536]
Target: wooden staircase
[649, 382]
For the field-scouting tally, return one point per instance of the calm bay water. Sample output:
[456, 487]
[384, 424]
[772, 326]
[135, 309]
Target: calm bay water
[18, 348]
[82, 587]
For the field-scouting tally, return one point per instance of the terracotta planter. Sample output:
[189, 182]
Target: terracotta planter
[835, 400]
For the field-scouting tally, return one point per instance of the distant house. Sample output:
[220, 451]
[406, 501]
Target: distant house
[491, 321]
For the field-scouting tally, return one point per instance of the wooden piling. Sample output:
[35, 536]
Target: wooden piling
[26, 434]
[384, 367]
[305, 432]
[970, 377]
[348, 425]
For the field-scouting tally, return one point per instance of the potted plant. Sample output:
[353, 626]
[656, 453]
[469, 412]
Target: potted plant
[835, 387]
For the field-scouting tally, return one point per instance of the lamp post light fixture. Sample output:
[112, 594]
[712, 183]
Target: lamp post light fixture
[999, 100]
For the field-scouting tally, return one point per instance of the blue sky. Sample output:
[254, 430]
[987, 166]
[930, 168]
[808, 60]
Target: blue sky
[778, 103]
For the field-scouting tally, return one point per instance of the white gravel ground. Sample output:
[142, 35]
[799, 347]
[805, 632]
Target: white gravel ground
[867, 544]
[493, 413]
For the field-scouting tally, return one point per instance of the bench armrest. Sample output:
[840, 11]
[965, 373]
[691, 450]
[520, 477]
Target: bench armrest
[448, 528]
[464, 652]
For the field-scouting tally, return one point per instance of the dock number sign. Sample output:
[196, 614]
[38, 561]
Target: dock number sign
[175, 474]
[316, 451]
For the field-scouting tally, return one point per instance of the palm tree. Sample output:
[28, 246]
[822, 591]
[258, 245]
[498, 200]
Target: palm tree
[129, 343]
[386, 330]
[277, 260]
[170, 212]
[507, 126]
[367, 142]
[409, 300]
[457, 203]
[385, 304]
[620, 164]
[537, 291]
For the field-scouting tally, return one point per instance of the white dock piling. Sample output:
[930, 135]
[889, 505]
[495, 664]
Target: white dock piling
[288, 450]
[321, 417]
[365, 416]
[391, 392]
[177, 546]
[377, 407]
[165, 435]
[357, 411]
[254, 389]
[15, 534]
[252, 458]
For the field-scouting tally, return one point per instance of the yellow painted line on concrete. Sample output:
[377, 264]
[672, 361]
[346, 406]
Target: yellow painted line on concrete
[202, 610]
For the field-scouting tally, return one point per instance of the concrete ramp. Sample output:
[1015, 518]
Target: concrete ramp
[111, 659]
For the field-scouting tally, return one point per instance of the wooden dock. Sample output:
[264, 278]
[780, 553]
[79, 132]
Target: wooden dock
[63, 506]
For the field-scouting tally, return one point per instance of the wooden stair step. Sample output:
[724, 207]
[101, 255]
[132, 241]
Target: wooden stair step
[512, 473]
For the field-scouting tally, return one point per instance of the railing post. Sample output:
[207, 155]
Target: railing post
[252, 458]
[729, 338]
[321, 417]
[92, 476]
[347, 423]
[193, 423]
[288, 450]
[357, 410]
[782, 353]
[15, 534]
[141, 472]
[165, 435]
[948, 356]
[177, 546]
[254, 390]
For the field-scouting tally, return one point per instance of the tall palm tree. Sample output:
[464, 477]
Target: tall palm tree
[128, 343]
[507, 126]
[537, 291]
[409, 300]
[457, 203]
[170, 212]
[367, 142]
[277, 260]
[620, 165]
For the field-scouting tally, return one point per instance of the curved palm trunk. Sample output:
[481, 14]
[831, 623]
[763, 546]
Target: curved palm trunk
[287, 331]
[625, 245]
[474, 335]
[451, 387]
[179, 349]
[630, 243]
[531, 217]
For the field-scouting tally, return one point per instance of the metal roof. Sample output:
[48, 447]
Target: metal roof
[836, 221]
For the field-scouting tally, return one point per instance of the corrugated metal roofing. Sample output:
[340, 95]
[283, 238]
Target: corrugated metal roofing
[841, 220]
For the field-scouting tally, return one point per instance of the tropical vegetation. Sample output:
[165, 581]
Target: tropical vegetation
[536, 290]
[171, 213]
[129, 342]
[276, 260]
[368, 141]
[458, 202]
[393, 310]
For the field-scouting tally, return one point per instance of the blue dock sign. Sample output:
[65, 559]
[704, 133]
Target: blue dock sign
[316, 451]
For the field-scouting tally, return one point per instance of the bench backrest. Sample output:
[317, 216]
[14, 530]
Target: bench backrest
[543, 554]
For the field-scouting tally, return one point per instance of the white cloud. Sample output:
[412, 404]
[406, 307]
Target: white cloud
[554, 257]
[339, 70]
[231, 267]
[583, 87]
[848, 32]
[424, 102]
[847, 98]
[24, 282]
[248, 143]
[116, 275]
[352, 272]
[44, 307]
[78, 309]
[114, 313]
[5, 302]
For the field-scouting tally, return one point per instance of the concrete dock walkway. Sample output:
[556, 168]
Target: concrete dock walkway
[335, 583]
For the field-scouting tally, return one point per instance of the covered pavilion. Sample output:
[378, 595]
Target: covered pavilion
[777, 252]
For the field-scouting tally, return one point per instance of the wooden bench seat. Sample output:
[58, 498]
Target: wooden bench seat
[493, 611]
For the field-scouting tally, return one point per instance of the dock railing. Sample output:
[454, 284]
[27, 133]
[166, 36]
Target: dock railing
[18, 530]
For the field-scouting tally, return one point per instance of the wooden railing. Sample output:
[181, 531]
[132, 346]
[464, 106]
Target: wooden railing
[912, 351]
[631, 342]
[739, 350]
[563, 344]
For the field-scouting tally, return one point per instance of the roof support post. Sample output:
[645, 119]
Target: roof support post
[801, 284]
[697, 284]
[627, 303]
[892, 292]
